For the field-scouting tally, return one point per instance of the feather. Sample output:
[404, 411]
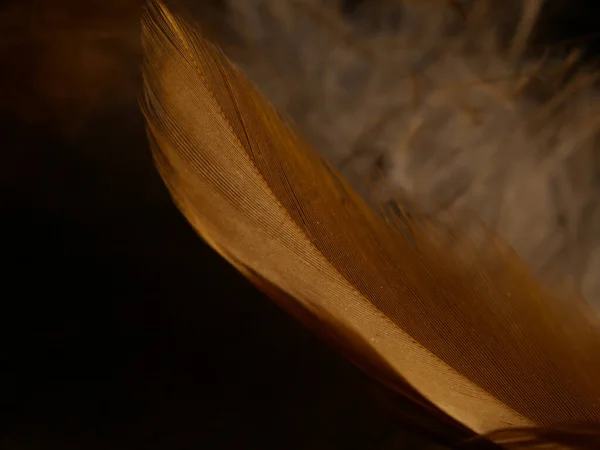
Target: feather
[463, 329]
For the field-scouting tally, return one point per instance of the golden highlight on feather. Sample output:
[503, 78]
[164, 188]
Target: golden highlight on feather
[462, 322]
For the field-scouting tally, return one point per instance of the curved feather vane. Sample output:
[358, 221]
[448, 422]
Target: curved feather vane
[466, 327]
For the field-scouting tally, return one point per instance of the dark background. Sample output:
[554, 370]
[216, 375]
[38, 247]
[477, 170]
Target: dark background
[119, 327]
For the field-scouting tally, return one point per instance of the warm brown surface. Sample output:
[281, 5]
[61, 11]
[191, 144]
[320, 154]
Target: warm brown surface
[464, 323]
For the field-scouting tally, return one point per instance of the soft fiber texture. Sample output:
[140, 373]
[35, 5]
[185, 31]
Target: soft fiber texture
[442, 98]
[462, 324]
